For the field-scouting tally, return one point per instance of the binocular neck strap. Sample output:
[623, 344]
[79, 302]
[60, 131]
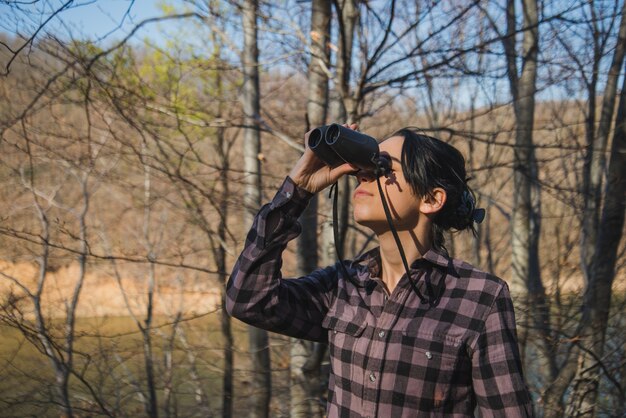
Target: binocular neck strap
[334, 192]
[394, 232]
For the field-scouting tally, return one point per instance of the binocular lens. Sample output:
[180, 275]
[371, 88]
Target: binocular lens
[333, 133]
[318, 145]
[315, 137]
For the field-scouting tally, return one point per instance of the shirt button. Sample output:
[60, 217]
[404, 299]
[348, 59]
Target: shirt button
[381, 334]
[429, 355]
[386, 298]
[372, 377]
[288, 194]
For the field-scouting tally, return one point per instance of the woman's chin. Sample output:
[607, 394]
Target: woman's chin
[370, 222]
[361, 217]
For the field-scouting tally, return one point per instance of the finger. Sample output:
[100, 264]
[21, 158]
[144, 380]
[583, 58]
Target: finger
[343, 170]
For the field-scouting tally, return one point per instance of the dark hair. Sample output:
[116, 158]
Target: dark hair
[428, 163]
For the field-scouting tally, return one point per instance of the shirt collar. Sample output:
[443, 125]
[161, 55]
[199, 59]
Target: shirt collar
[371, 260]
[438, 258]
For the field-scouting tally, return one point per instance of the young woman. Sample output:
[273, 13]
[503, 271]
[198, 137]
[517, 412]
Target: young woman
[438, 342]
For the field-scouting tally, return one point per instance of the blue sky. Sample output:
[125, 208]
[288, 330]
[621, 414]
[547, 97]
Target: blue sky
[99, 18]
[84, 19]
[106, 21]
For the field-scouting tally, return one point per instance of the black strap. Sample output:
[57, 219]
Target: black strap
[398, 243]
[334, 192]
[339, 253]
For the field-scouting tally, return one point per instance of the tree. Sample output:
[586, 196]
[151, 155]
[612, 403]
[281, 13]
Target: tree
[526, 281]
[306, 357]
[601, 235]
[259, 340]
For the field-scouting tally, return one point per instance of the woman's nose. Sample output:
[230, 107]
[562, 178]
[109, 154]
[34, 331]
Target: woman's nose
[365, 176]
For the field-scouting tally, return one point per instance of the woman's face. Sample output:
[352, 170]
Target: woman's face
[403, 204]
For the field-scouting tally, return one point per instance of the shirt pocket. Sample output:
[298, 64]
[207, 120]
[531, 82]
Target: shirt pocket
[345, 346]
[434, 362]
[344, 330]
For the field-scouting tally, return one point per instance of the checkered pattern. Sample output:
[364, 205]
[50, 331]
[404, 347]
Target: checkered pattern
[391, 356]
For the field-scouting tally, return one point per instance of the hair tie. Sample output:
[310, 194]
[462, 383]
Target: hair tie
[467, 208]
[478, 215]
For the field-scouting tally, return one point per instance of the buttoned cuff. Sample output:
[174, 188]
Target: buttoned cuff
[291, 199]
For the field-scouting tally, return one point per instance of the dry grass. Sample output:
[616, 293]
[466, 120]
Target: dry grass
[102, 295]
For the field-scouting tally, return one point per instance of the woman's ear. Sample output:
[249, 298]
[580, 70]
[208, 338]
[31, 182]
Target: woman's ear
[434, 201]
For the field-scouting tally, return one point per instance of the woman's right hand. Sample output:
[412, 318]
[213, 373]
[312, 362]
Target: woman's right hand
[311, 174]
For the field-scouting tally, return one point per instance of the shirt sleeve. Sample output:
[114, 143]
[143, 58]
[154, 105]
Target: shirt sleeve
[496, 365]
[256, 292]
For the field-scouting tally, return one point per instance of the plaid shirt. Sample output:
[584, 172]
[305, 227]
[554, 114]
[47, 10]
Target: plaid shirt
[391, 355]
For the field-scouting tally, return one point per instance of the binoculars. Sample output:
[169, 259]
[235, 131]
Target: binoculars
[336, 145]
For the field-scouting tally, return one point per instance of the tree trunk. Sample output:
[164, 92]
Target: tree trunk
[349, 16]
[258, 339]
[227, 335]
[598, 294]
[526, 284]
[595, 158]
[580, 365]
[305, 389]
[146, 329]
[343, 110]
[227, 382]
[219, 250]
[475, 243]
[317, 106]
[348, 13]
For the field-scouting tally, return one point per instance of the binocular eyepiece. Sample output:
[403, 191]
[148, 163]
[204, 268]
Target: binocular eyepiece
[336, 145]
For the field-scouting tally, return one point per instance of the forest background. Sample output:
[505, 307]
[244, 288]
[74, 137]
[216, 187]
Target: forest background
[132, 161]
